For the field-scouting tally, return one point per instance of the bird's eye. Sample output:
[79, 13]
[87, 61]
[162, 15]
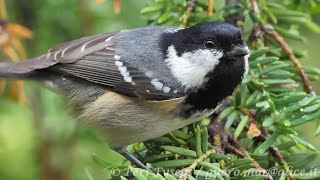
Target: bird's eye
[209, 44]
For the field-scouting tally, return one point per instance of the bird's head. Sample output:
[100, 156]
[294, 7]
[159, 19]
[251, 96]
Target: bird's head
[206, 51]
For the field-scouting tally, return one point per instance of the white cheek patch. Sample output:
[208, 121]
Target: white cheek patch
[191, 68]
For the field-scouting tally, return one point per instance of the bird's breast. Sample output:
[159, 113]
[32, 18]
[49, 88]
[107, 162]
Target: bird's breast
[123, 120]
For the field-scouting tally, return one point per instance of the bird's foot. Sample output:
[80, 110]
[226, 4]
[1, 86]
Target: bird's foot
[132, 159]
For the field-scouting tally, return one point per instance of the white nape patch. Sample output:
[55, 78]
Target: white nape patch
[246, 61]
[191, 68]
[124, 72]
[166, 89]
[158, 85]
[116, 57]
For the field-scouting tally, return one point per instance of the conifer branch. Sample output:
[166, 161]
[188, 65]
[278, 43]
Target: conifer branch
[285, 47]
[268, 29]
[278, 156]
[235, 151]
[273, 149]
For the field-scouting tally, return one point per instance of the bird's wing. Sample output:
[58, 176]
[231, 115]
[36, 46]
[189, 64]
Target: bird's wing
[94, 59]
[65, 53]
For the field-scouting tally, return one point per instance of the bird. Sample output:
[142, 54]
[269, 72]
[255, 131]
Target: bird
[139, 84]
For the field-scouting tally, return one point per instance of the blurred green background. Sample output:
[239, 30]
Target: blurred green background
[41, 131]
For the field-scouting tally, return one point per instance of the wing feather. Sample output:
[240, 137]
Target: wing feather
[93, 59]
[67, 44]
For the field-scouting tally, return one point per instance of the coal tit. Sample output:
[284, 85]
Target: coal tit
[139, 84]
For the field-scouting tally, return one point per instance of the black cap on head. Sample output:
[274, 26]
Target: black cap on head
[220, 36]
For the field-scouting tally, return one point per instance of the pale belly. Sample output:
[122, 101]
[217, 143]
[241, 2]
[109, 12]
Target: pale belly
[122, 120]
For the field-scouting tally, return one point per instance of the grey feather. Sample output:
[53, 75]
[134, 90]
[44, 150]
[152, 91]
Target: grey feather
[4, 66]
[65, 53]
[79, 92]
[67, 44]
[129, 49]
[93, 59]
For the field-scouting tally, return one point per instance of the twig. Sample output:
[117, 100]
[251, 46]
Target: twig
[236, 151]
[191, 4]
[210, 7]
[189, 8]
[234, 142]
[3, 10]
[255, 6]
[256, 33]
[187, 171]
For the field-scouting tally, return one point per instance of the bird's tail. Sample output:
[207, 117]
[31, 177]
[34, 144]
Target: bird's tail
[7, 72]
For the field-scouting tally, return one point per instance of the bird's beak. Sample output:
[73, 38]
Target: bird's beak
[238, 52]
